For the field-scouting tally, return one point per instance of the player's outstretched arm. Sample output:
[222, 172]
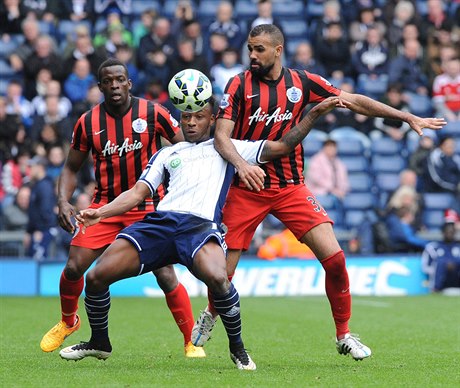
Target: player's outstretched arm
[369, 107]
[276, 149]
[123, 203]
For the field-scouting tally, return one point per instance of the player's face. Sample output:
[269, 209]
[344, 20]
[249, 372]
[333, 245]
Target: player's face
[197, 126]
[263, 54]
[115, 85]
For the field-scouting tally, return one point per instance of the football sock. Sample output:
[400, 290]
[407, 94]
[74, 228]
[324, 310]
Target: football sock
[338, 291]
[69, 291]
[211, 308]
[179, 303]
[97, 307]
[228, 308]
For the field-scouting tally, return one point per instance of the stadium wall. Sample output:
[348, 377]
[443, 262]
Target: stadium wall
[369, 276]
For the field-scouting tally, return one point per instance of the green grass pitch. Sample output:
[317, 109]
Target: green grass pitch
[415, 343]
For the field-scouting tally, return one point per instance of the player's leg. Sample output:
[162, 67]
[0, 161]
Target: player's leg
[179, 304]
[70, 288]
[299, 210]
[119, 261]
[209, 265]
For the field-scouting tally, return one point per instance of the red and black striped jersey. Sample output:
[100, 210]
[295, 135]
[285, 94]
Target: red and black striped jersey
[121, 147]
[264, 109]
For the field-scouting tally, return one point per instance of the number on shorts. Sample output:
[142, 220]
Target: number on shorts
[314, 203]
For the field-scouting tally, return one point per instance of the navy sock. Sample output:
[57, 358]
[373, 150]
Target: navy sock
[97, 308]
[228, 308]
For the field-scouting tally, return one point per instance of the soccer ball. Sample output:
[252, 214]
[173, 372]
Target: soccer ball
[189, 90]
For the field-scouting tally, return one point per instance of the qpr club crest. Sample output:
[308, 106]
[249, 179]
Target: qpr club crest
[224, 102]
[294, 94]
[139, 125]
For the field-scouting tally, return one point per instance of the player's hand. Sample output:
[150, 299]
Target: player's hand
[418, 123]
[87, 218]
[329, 104]
[251, 176]
[66, 211]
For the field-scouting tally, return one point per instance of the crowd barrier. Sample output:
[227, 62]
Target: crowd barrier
[369, 276]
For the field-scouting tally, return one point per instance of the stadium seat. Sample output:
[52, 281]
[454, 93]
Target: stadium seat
[386, 146]
[246, 10]
[207, 9]
[372, 87]
[438, 201]
[294, 29]
[139, 6]
[327, 201]
[384, 163]
[359, 201]
[6, 48]
[346, 133]
[355, 163]
[291, 46]
[314, 9]
[433, 219]
[288, 9]
[354, 218]
[66, 29]
[387, 182]
[360, 182]
[311, 147]
[169, 8]
[350, 147]
[452, 129]
[6, 71]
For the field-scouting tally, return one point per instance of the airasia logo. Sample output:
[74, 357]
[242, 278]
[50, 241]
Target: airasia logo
[276, 116]
[113, 148]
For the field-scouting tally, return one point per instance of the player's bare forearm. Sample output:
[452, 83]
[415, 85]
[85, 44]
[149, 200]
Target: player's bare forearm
[125, 201]
[287, 144]
[369, 107]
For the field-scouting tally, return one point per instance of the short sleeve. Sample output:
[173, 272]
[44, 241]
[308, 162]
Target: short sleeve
[166, 125]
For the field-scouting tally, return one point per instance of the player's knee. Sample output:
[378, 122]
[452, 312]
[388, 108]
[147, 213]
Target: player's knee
[73, 271]
[218, 283]
[166, 278]
[94, 282]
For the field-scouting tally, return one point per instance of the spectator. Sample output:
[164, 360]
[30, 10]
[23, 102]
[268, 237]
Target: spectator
[112, 6]
[93, 97]
[44, 57]
[446, 91]
[17, 103]
[82, 47]
[370, 62]
[191, 29]
[113, 35]
[402, 13]
[31, 32]
[331, 14]
[217, 44]
[12, 13]
[397, 130]
[51, 88]
[12, 132]
[304, 59]
[327, 174]
[402, 233]
[63, 124]
[408, 70]
[79, 81]
[264, 15]
[42, 218]
[48, 136]
[125, 54]
[56, 157]
[75, 10]
[157, 46]
[358, 28]
[226, 25]
[222, 72]
[333, 52]
[441, 260]
[418, 159]
[143, 28]
[187, 59]
[15, 216]
[443, 168]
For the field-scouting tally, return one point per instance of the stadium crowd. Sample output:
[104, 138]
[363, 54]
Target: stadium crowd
[405, 53]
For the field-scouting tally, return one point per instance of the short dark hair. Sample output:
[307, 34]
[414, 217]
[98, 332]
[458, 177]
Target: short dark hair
[110, 62]
[270, 29]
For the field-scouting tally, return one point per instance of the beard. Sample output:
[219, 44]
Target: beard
[261, 71]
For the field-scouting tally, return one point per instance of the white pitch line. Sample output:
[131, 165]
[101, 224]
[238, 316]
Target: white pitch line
[371, 303]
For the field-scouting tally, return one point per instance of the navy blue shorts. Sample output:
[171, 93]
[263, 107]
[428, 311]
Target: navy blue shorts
[164, 238]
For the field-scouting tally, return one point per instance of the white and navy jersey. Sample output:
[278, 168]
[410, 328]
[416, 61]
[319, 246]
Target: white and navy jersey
[199, 178]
